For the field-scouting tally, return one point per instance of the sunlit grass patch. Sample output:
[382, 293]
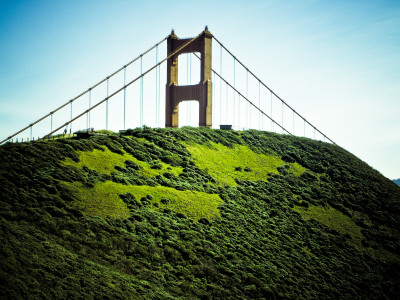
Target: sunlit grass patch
[103, 161]
[296, 169]
[193, 204]
[103, 200]
[105, 131]
[106, 161]
[225, 164]
[333, 218]
[100, 200]
[345, 225]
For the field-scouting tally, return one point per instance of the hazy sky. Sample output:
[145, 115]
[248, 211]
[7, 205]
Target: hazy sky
[335, 62]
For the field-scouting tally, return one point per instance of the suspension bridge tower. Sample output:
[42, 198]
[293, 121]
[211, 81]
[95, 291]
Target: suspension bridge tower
[201, 92]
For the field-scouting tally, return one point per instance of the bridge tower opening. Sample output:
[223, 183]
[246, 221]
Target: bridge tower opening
[201, 92]
[189, 115]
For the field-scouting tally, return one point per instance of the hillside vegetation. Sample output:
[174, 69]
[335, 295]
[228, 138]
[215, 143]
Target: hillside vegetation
[195, 213]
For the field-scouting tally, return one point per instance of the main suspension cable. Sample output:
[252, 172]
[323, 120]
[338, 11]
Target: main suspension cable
[84, 92]
[128, 84]
[305, 120]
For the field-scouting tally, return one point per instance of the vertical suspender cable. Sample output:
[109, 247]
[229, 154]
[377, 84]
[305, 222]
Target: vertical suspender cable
[226, 103]
[259, 105]
[107, 106]
[272, 122]
[213, 90]
[282, 118]
[220, 87]
[124, 96]
[90, 105]
[87, 117]
[156, 87]
[247, 96]
[293, 123]
[51, 122]
[250, 109]
[234, 93]
[187, 82]
[239, 119]
[31, 134]
[239, 123]
[304, 127]
[159, 95]
[70, 126]
[190, 82]
[141, 91]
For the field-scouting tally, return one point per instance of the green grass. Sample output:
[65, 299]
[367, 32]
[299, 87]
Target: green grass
[334, 219]
[71, 232]
[104, 131]
[193, 204]
[105, 162]
[223, 162]
[103, 200]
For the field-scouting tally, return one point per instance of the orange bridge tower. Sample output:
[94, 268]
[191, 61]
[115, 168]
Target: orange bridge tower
[201, 92]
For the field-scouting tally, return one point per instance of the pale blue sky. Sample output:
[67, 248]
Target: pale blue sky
[335, 62]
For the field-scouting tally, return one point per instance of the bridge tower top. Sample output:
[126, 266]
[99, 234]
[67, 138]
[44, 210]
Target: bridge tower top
[201, 92]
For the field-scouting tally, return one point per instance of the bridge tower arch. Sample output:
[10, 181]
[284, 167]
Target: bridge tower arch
[201, 92]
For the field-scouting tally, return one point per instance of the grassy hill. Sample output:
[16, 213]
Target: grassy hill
[195, 213]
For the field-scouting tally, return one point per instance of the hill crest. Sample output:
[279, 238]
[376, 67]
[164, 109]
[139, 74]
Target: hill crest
[169, 213]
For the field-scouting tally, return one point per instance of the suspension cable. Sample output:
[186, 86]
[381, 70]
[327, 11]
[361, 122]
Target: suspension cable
[128, 84]
[84, 92]
[271, 90]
